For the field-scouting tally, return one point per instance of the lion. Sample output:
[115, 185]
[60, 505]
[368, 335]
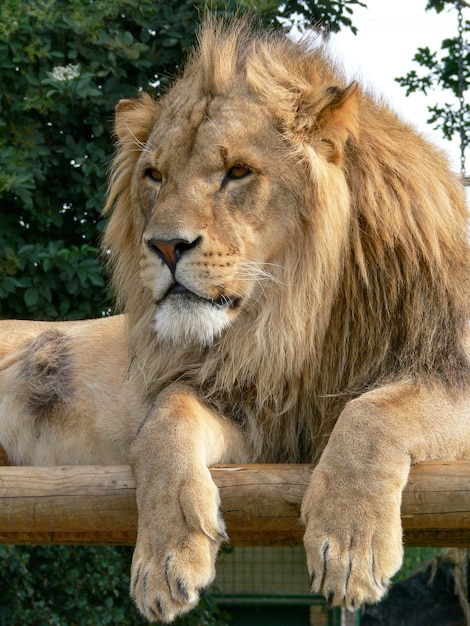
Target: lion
[292, 264]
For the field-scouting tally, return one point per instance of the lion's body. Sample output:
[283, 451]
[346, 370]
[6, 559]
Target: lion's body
[66, 398]
[293, 264]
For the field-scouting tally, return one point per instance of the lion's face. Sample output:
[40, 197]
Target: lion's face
[210, 185]
[228, 189]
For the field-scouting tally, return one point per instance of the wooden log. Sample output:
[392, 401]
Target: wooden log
[96, 505]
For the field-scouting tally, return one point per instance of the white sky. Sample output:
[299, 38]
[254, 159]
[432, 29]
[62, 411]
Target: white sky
[390, 32]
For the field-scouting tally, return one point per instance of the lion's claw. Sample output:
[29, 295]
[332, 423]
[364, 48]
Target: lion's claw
[165, 588]
[170, 570]
[352, 558]
[160, 595]
[346, 577]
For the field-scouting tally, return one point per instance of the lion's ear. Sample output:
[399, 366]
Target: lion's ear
[135, 119]
[334, 118]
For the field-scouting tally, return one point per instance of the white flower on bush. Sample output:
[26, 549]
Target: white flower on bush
[63, 73]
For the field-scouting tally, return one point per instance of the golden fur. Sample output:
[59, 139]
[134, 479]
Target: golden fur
[293, 265]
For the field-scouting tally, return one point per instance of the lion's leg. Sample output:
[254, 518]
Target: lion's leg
[180, 528]
[351, 508]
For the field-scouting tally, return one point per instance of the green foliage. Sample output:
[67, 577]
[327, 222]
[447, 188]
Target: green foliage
[72, 586]
[53, 281]
[441, 69]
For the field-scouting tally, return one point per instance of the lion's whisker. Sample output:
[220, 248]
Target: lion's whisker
[145, 147]
[248, 270]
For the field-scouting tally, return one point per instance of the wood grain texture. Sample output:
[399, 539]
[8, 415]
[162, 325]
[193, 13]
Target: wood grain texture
[96, 505]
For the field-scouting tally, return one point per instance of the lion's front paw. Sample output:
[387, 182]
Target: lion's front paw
[168, 583]
[177, 544]
[353, 541]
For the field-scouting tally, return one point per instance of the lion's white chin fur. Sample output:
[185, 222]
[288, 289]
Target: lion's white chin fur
[188, 323]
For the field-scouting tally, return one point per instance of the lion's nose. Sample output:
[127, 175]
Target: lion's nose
[171, 250]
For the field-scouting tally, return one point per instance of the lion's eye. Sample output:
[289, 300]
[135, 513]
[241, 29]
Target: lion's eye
[153, 174]
[237, 171]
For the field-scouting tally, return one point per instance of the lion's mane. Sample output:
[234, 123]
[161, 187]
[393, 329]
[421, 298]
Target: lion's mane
[376, 288]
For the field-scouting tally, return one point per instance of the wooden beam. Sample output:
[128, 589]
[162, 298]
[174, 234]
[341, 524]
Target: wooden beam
[96, 505]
